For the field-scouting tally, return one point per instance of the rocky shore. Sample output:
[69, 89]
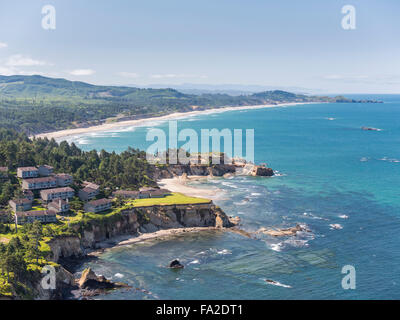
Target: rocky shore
[138, 224]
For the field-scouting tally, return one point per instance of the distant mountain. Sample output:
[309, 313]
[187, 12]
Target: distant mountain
[35, 103]
[231, 89]
[39, 86]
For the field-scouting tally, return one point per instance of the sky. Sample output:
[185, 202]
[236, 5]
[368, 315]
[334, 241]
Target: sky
[286, 43]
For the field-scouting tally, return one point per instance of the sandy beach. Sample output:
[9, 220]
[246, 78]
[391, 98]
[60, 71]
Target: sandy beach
[179, 184]
[148, 121]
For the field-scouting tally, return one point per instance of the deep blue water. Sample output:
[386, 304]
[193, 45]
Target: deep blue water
[332, 173]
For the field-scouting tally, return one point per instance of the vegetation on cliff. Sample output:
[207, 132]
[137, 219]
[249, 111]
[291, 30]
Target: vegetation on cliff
[22, 257]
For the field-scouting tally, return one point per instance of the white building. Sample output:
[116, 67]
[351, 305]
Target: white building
[27, 172]
[98, 205]
[64, 180]
[87, 193]
[57, 193]
[39, 183]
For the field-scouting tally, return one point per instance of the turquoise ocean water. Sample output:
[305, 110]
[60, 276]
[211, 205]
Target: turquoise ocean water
[331, 172]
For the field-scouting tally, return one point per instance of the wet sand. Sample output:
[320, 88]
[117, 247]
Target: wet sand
[148, 121]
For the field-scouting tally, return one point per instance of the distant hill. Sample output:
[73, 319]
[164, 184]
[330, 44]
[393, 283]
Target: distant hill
[37, 104]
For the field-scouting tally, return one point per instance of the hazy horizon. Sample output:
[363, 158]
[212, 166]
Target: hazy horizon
[264, 43]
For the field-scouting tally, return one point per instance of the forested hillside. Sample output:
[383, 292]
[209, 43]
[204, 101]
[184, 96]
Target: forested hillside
[35, 104]
[126, 170]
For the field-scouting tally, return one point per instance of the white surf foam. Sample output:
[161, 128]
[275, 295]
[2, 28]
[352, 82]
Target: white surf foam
[276, 283]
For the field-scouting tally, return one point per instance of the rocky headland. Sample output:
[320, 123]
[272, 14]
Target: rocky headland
[128, 224]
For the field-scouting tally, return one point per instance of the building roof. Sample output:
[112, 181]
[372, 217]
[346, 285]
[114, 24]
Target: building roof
[91, 185]
[28, 168]
[57, 203]
[20, 201]
[126, 193]
[46, 166]
[63, 176]
[160, 191]
[3, 169]
[99, 202]
[27, 192]
[37, 180]
[57, 190]
[35, 213]
[88, 190]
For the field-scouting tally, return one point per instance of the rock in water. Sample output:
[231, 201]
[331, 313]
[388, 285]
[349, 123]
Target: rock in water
[88, 275]
[262, 171]
[175, 264]
[283, 232]
[94, 284]
[370, 129]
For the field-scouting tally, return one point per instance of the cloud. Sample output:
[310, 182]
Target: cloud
[382, 79]
[3, 45]
[82, 72]
[5, 71]
[19, 60]
[174, 76]
[128, 74]
[345, 77]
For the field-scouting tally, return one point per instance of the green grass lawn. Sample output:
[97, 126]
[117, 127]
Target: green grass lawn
[38, 208]
[174, 198]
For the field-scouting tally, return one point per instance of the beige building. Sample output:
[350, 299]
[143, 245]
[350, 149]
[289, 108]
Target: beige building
[28, 194]
[64, 180]
[27, 172]
[91, 185]
[127, 194]
[59, 206]
[44, 216]
[87, 194]
[39, 183]
[98, 205]
[22, 204]
[57, 193]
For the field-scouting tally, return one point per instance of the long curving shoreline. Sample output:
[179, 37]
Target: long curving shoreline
[147, 121]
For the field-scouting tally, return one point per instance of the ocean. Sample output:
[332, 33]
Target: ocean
[341, 182]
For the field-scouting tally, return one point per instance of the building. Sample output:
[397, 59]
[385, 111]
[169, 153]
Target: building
[3, 172]
[145, 192]
[148, 192]
[127, 194]
[28, 194]
[64, 180]
[22, 204]
[98, 205]
[44, 216]
[87, 193]
[27, 172]
[45, 170]
[57, 193]
[59, 206]
[91, 185]
[159, 193]
[39, 183]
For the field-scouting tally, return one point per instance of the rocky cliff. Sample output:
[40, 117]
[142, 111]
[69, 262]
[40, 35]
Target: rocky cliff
[133, 222]
[171, 171]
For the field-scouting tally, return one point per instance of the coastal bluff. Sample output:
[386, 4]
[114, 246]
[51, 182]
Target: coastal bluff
[216, 170]
[135, 221]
